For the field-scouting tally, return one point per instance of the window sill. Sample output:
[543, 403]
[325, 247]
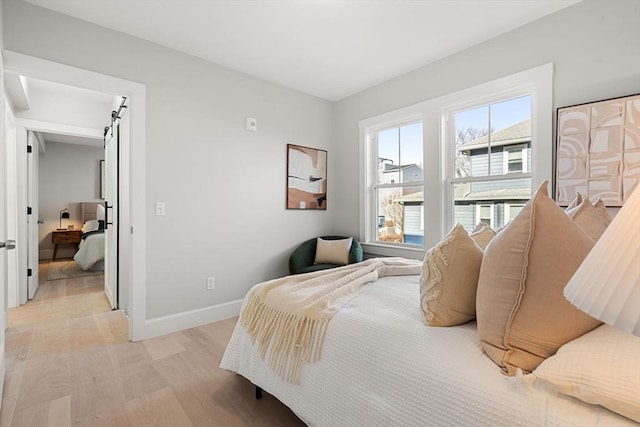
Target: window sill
[379, 249]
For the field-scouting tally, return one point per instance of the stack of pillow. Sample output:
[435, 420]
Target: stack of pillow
[512, 282]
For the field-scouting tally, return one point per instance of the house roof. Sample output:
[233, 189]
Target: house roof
[396, 168]
[462, 193]
[516, 134]
[418, 196]
[497, 194]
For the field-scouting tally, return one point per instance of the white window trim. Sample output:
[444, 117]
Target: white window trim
[505, 158]
[492, 208]
[438, 161]
[507, 211]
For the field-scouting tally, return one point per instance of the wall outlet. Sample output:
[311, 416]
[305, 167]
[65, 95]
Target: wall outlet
[211, 283]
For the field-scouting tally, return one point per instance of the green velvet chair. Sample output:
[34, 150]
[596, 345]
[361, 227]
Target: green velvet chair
[303, 257]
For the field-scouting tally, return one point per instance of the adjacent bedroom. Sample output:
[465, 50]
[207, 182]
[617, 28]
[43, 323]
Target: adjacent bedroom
[71, 235]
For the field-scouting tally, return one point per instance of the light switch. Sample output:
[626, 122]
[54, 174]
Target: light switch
[160, 209]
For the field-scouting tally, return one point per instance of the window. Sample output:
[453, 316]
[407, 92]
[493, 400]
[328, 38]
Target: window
[484, 213]
[490, 145]
[472, 154]
[515, 159]
[398, 184]
[512, 210]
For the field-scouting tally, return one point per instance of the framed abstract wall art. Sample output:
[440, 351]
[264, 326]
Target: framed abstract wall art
[306, 178]
[598, 150]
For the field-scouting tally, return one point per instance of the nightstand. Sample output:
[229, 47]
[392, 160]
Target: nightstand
[63, 237]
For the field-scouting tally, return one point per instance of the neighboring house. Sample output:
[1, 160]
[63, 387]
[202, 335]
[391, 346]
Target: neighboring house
[408, 225]
[495, 202]
[389, 173]
[492, 202]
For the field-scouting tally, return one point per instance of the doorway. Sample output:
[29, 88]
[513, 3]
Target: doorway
[131, 185]
[60, 178]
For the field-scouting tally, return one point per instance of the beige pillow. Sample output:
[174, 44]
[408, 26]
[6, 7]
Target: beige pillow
[333, 251]
[449, 279]
[575, 202]
[601, 368]
[523, 317]
[588, 218]
[601, 208]
[482, 235]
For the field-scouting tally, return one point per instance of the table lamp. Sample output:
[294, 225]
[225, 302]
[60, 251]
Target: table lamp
[607, 283]
[64, 213]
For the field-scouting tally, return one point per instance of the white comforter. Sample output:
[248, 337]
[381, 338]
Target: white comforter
[382, 366]
[91, 251]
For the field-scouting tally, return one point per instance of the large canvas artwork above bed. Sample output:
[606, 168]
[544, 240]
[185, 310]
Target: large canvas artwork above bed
[598, 150]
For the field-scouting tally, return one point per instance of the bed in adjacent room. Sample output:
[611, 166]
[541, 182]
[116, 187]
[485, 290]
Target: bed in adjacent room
[91, 251]
[405, 348]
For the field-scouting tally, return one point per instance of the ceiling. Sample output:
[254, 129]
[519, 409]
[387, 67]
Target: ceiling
[327, 48]
[61, 113]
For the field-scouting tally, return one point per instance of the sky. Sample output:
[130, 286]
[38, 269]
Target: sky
[503, 115]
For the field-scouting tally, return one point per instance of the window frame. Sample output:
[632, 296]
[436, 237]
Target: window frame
[505, 158]
[375, 185]
[492, 213]
[438, 162]
[507, 210]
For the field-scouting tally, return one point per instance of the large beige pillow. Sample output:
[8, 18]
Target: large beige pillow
[588, 218]
[449, 279]
[601, 368]
[523, 317]
[333, 251]
[482, 235]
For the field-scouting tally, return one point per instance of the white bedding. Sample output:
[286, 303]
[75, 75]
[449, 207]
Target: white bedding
[91, 250]
[382, 366]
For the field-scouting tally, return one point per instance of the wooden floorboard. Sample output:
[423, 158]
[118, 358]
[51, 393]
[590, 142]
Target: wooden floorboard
[69, 363]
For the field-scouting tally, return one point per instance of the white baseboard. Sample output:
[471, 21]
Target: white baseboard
[190, 319]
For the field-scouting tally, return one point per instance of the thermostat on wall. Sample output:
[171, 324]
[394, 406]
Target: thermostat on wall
[252, 124]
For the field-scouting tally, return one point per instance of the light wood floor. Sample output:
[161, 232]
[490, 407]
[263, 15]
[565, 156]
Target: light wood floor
[69, 362]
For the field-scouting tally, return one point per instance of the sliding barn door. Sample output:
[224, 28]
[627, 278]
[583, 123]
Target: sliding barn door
[111, 147]
[32, 218]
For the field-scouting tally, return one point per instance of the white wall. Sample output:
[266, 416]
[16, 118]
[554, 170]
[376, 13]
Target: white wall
[594, 48]
[69, 174]
[224, 187]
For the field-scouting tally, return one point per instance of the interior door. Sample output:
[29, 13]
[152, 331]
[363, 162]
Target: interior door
[111, 148]
[32, 219]
[10, 160]
[4, 245]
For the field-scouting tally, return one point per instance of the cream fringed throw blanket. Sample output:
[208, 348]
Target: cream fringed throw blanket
[289, 316]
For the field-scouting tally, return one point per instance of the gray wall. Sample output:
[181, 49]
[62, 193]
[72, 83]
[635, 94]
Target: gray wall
[224, 187]
[593, 44]
[69, 174]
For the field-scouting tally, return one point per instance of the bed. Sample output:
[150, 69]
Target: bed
[90, 255]
[382, 364]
